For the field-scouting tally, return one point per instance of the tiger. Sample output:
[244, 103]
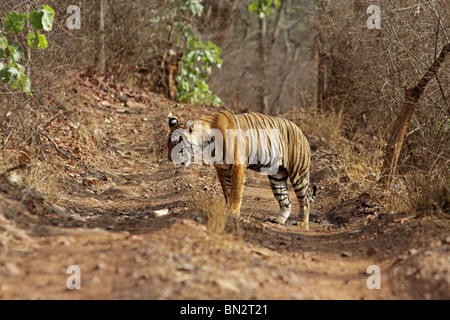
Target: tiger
[288, 152]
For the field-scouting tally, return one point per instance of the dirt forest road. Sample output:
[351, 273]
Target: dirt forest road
[115, 231]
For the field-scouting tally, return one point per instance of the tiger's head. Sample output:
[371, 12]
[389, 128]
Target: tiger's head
[194, 140]
[179, 144]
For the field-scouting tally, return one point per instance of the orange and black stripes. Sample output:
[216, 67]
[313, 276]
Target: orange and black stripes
[288, 150]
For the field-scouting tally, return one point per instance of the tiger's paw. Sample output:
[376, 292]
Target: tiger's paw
[277, 220]
[232, 213]
[302, 225]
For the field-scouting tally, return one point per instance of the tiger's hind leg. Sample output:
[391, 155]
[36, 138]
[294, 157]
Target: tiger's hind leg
[279, 186]
[301, 188]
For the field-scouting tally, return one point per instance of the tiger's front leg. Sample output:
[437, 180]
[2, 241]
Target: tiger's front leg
[224, 176]
[237, 188]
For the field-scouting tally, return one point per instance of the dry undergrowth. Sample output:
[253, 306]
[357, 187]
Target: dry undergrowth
[212, 210]
[39, 150]
[356, 161]
[431, 197]
[359, 162]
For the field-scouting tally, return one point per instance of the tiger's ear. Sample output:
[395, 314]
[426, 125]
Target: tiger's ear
[189, 125]
[173, 122]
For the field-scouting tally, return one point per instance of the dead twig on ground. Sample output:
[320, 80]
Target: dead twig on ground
[65, 155]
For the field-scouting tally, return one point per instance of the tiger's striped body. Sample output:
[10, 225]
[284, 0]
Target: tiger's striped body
[288, 150]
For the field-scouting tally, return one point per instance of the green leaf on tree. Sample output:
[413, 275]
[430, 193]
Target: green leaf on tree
[15, 22]
[253, 6]
[4, 77]
[15, 51]
[43, 18]
[14, 77]
[262, 7]
[3, 42]
[26, 83]
[11, 72]
[194, 6]
[37, 40]
[4, 74]
[3, 46]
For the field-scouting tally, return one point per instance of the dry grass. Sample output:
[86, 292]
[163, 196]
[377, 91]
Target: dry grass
[326, 129]
[213, 210]
[359, 161]
[327, 125]
[22, 171]
[32, 165]
[430, 197]
[358, 165]
[420, 196]
[397, 200]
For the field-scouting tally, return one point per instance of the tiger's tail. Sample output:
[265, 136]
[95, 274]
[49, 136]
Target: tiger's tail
[312, 192]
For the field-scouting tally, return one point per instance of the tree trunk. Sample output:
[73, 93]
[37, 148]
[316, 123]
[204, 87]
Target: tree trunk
[321, 75]
[263, 100]
[231, 22]
[102, 55]
[412, 96]
[275, 107]
[28, 50]
[320, 59]
[280, 16]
